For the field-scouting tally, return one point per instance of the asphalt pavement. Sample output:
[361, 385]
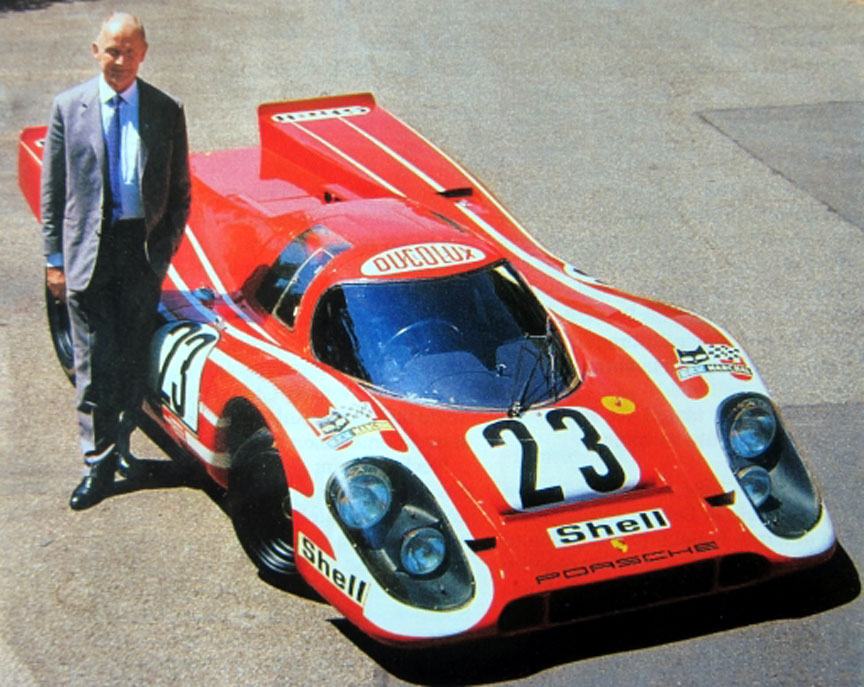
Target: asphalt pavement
[708, 154]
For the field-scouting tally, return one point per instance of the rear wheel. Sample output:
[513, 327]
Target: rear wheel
[260, 506]
[61, 333]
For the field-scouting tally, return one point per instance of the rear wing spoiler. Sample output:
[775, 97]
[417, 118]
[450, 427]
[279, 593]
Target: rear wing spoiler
[356, 148]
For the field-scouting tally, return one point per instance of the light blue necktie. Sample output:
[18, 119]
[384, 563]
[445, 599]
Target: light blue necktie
[114, 172]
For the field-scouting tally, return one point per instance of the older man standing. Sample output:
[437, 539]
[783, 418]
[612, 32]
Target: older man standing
[115, 198]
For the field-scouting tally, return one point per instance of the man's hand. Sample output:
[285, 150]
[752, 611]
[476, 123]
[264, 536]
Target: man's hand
[55, 280]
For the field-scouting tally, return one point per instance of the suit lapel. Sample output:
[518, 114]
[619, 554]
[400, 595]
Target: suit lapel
[146, 127]
[92, 114]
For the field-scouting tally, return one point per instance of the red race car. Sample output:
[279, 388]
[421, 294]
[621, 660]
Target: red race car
[443, 429]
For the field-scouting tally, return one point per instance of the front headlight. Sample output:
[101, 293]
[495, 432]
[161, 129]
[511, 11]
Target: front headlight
[423, 551]
[401, 534]
[767, 465]
[756, 482]
[361, 495]
[752, 428]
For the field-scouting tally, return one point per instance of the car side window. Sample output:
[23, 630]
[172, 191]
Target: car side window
[278, 277]
[284, 284]
[286, 307]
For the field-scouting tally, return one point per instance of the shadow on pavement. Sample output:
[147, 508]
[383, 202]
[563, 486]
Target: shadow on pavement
[802, 594]
[182, 470]
[185, 471]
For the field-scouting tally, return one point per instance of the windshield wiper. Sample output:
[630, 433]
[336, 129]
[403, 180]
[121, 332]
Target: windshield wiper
[546, 345]
[550, 351]
[519, 403]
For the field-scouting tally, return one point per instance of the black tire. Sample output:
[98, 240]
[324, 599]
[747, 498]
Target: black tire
[61, 335]
[260, 507]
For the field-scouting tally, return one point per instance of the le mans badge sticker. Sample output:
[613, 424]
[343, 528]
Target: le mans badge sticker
[709, 358]
[342, 425]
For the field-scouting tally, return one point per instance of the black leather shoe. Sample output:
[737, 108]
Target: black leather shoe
[91, 491]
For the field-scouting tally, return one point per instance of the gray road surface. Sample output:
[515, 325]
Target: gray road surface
[705, 153]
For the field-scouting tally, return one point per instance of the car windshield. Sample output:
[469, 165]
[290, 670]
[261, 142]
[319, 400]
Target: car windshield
[478, 339]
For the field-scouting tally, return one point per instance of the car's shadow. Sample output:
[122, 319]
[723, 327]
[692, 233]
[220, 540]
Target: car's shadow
[502, 659]
[490, 660]
[183, 470]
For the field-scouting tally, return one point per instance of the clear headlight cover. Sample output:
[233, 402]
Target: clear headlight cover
[756, 482]
[423, 551]
[752, 429]
[362, 496]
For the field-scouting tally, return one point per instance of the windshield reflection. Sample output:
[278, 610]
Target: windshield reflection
[478, 339]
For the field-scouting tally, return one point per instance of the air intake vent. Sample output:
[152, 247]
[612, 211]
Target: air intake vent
[462, 192]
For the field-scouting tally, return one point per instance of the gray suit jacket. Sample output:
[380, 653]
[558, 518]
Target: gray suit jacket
[73, 178]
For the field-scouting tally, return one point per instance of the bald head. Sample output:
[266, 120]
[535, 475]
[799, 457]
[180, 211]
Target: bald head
[120, 48]
[124, 20]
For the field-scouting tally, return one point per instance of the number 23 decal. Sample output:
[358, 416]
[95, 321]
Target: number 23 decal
[562, 454]
[180, 351]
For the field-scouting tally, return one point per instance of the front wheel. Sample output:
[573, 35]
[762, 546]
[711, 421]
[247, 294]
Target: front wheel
[260, 506]
[61, 333]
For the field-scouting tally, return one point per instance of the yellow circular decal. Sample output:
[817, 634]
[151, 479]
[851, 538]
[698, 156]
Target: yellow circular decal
[618, 404]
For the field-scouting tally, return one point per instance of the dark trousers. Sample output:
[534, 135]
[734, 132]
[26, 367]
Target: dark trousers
[112, 322]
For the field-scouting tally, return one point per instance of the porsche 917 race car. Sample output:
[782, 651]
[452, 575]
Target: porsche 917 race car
[445, 430]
